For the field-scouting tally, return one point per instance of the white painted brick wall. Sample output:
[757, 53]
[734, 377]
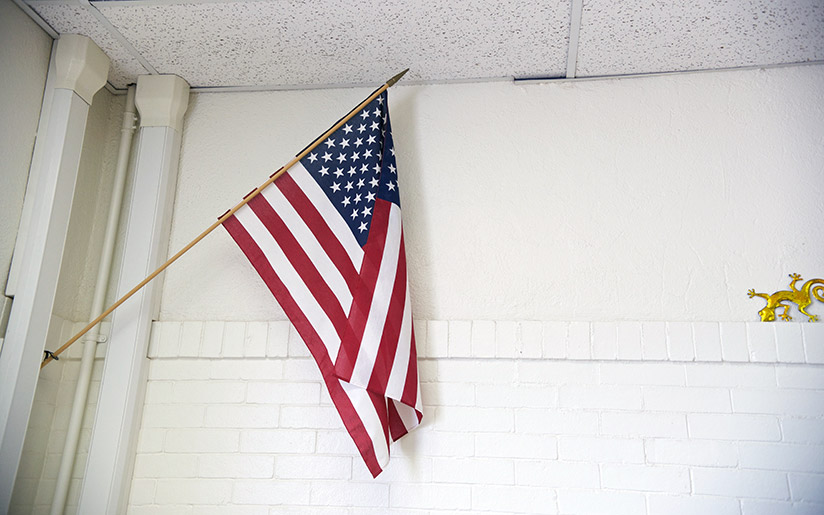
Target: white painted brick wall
[520, 417]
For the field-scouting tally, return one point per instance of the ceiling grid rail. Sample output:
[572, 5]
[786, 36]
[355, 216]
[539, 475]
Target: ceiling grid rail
[576, 11]
[99, 16]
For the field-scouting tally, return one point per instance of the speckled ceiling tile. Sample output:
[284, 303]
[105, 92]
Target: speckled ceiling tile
[638, 36]
[69, 18]
[295, 42]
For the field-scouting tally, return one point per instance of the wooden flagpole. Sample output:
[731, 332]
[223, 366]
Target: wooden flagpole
[391, 82]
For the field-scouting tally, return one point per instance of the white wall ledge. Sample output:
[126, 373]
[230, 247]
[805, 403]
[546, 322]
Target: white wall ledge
[698, 342]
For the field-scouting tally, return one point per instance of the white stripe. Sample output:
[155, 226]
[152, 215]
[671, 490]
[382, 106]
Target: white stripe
[327, 269]
[380, 301]
[369, 417]
[397, 376]
[291, 279]
[321, 202]
[408, 415]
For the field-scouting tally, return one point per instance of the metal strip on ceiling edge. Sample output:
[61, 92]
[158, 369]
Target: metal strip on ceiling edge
[576, 12]
[101, 18]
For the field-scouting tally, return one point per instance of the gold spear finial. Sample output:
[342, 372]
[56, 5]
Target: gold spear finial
[391, 82]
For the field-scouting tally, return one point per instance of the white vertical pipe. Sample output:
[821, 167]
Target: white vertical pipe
[161, 101]
[32, 306]
[80, 71]
[81, 392]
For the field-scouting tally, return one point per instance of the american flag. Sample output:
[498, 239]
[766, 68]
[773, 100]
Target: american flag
[326, 238]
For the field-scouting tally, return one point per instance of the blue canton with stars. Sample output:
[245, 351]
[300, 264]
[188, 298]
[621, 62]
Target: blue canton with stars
[356, 164]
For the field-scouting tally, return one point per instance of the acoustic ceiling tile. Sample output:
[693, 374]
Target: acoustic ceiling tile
[638, 36]
[293, 42]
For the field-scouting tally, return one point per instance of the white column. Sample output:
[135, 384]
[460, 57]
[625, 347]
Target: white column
[161, 101]
[80, 71]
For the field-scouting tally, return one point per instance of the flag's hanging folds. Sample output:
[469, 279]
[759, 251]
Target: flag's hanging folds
[326, 238]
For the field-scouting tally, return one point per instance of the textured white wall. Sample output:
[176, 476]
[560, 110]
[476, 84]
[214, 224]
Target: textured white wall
[658, 198]
[579, 255]
[24, 61]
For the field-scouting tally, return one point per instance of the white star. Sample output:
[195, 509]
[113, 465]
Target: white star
[367, 211]
[391, 185]
[371, 139]
[345, 201]
[357, 198]
[355, 156]
[377, 112]
[377, 168]
[362, 227]
[330, 143]
[392, 168]
[326, 157]
[392, 150]
[347, 129]
[313, 157]
[335, 187]
[338, 172]
[344, 143]
[375, 126]
[370, 197]
[354, 214]
[324, 171]
[380, 100]
[360, 183]
[349, 186]
[373, 182]
[358, 142]
[341, 157]
[367, 154]
[352, 171]
[364, 167]
[365, 115]
[361, 128]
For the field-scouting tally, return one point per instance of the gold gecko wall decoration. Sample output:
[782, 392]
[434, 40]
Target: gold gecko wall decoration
[801, 298]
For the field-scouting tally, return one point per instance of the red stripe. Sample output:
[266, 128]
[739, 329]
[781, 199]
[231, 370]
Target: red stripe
[349, 416]
[314, 220]
[410, 389]
[316, 284]
[396, 425]
[362, 298]
[391, 328]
